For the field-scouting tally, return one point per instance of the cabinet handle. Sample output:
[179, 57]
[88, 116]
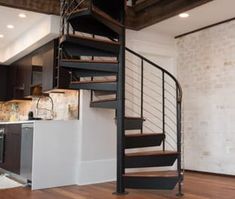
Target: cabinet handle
[2, 131]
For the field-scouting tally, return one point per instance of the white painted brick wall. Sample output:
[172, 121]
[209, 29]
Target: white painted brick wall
[206, 69]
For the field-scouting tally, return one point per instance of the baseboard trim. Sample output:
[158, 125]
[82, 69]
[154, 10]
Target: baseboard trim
[210, 173]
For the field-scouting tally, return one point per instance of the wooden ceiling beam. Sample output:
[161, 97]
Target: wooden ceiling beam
[158, 12]
[141, 15]
[41, 6]
[144, 4]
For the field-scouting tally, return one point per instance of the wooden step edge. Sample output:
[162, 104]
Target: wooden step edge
[77, 11]
[106, 100]
[150, 174]
[143, 135]
[93, 82]
[99, 12]
[134, 118]
[151, 153]
[89, 61]
[71, 36]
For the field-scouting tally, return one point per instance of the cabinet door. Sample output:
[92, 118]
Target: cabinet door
[3, 82]
[12, 148]
[48, 55]
[24, 74]
[2, 145]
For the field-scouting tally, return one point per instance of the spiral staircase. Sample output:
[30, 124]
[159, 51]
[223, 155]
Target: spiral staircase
[93, 50]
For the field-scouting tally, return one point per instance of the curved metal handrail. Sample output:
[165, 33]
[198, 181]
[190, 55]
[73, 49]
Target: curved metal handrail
[162, 69]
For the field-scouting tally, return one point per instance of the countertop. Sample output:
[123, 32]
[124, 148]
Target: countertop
[18, 122]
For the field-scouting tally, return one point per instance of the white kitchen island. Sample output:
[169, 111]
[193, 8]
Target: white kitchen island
[55, 152]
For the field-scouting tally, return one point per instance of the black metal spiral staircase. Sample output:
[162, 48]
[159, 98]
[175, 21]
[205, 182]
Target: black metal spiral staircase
[92, 45]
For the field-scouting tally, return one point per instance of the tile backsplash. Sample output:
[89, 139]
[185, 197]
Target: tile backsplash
[66, 106]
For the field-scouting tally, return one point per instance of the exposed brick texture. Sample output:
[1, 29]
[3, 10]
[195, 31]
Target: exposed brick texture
[206, 69]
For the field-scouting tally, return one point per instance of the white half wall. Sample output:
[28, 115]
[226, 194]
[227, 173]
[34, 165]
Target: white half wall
[55, 154]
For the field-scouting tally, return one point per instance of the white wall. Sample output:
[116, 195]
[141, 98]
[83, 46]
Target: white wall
[206, 68]
[160, 49]
[97, 143]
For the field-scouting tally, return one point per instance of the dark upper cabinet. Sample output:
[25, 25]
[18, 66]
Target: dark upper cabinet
[23, 80]
[3, 85]
[19, 79]
[53, 77]
[33, 74]
[49, 65]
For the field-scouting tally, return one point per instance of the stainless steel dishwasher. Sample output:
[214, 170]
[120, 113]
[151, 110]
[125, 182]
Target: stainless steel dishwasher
[26, 151]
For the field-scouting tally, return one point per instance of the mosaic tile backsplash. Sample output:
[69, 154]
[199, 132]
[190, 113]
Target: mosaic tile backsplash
[65, 108]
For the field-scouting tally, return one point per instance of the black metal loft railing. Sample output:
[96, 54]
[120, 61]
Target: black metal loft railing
[154, 94]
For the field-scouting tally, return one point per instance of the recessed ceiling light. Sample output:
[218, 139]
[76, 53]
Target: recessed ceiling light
[22, 15]
[1, 36]
[10, 26]
[184, 15]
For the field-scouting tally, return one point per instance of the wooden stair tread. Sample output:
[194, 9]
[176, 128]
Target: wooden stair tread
[89, 61]
[94, 81]
[134, 118]
[106, 100]
[151, 153]
[89, 39]
[96, 10]
[106, 16]
[152, 174]
[142, 135]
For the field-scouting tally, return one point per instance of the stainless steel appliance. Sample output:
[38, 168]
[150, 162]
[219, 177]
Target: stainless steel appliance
[2, 142]
[26, 151]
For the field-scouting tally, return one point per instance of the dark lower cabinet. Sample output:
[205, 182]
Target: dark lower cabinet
[3, 83]
[12, 148]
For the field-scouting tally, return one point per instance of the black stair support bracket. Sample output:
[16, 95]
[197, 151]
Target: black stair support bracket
[143, 140]
[157, 160]
[157, 183]
[108, 86]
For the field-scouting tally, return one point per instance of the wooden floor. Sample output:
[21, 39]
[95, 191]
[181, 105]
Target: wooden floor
[196, 186]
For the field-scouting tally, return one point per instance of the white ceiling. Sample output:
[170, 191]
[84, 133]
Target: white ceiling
[207, 14]
[10, 16]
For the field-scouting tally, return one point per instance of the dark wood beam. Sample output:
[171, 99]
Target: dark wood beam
[161, 10]
[141, 15]
[41, 6]
[144, 4]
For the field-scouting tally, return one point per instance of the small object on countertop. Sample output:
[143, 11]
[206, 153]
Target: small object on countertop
[30, 115]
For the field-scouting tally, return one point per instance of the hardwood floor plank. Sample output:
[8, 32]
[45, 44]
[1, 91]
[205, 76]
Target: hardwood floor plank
[196, 186]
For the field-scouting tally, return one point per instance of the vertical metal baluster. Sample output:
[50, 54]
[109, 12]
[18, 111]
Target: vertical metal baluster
[178, 117]
[92, 78]
[61, 17]
[142, 91]
[163, 111]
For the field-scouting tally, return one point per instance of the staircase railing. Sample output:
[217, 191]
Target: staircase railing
[155, 94]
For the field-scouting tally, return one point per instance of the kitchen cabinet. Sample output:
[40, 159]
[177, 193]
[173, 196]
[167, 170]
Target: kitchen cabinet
[3, 84]
[33, 74]
[53, 77]
[19, 78]
[12, 148]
